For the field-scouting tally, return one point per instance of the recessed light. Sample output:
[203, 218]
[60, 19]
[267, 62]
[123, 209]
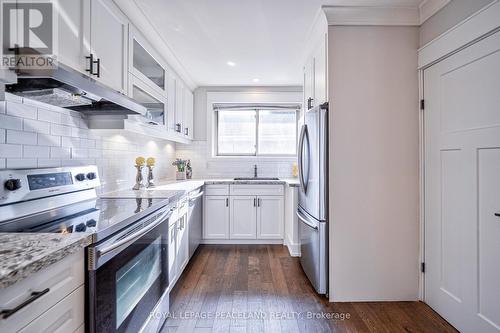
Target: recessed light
[255, 80]
[230, 63]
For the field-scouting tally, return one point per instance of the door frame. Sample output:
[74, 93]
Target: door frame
[476, 27]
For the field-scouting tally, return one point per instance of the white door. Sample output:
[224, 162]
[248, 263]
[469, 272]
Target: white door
[72, 48]
[188, 113]
[270, 217]
[216, 219]
[179, 106]
[182, 244]
[108, 41]
[243, 223]
[309, 84]
[172, 265]
[462, 187]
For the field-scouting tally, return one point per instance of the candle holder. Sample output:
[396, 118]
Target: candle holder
[138, 178]
[150, 177]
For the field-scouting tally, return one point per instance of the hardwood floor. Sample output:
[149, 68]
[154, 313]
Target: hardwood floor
[260, 288]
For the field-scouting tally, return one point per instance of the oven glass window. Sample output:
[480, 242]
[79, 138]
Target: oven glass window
[135, 278]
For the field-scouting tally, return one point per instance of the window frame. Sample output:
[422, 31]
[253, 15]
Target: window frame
[257, 123]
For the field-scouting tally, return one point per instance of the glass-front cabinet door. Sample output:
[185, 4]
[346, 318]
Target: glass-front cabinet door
[155, 103]
[144, 64]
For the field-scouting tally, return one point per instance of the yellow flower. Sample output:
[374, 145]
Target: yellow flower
[150, 161]
[139, 161]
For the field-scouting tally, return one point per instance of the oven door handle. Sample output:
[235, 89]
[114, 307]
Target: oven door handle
[135, 235]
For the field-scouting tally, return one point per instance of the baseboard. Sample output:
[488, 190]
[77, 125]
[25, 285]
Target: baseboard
[293, 248]
[242, 241]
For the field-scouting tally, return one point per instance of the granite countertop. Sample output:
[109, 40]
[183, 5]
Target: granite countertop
[23, 254]
[292, 182]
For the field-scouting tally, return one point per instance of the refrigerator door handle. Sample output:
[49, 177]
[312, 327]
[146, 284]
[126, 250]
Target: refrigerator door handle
[303, 134]
[306, 220]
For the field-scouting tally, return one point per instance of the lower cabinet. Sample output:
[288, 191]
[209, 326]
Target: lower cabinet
[270, 217]
[178, 242]
[245, 217]
[243, 222]
[216, 221]
[172, 265]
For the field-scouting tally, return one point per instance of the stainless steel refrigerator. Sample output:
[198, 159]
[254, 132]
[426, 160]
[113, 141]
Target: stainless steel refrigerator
[313, 196]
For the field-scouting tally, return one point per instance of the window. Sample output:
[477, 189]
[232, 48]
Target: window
[256, 132]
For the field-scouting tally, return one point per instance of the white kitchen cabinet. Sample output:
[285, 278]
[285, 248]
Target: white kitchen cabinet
[179, 106]
[188, 116]
[71, 31]
[315, 76]
[309, 84]
[243, 222]
[155, 103]
[182, 243]
[145, 63]
[216, 217]
[109, 44]
[270, 217]
[172, 253]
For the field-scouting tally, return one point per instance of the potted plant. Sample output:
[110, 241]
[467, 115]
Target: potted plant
[181, 169]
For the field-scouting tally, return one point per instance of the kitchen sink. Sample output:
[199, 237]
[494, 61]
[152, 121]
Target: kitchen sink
[256, 178]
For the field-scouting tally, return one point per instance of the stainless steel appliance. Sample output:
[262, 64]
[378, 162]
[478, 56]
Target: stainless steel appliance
[313, 196]
[127, 273]
[64, 87]
[195, 218]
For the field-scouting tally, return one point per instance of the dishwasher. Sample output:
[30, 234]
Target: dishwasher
[195, 217]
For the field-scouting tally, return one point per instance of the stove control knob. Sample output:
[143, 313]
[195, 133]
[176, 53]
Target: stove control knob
[91, 223]
[91, 176]
[80, 177]
[81, 227]
[13, 184]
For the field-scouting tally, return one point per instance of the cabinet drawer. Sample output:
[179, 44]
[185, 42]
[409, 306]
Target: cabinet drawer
[257, 190]
[66, 316]
[60, 278]
[217, 190]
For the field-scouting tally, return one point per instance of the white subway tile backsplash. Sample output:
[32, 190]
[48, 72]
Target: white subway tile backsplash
[49, 116]
[11, 151]
[49, 140]
[60, 137]
[48, 163]
[60, 130]
[31, 125]
[60, 152]
[77, 153]
[68, 141]
[9, 122]
[22, 138]
[35, 151]
[15, 163]
[21, 110]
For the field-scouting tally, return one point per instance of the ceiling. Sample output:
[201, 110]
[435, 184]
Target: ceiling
[240, 42]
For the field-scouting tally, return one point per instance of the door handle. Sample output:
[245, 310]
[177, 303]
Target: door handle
[186, 131]
[178, 127]
[91, 64]
[309, 103]
[258, 202]
[306, 221]
[98, 63]
[303, 133]
[255, 202]
[497, 214]
[6, 313]
[227, 202]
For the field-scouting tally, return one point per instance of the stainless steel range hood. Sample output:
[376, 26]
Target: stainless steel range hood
[68, 88]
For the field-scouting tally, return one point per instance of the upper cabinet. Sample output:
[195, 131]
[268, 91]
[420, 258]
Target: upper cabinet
[188, 113]
[154, 102]
[108, 44]
[315, 76]
[144, 63]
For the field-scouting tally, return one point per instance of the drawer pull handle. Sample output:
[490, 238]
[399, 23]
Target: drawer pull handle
[34, 296]
[497, 214]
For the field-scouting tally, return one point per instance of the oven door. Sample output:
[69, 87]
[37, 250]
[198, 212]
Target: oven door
[128, 275]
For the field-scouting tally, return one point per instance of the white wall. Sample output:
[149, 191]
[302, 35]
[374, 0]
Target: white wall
[204, 164]
[374, 151]
[37, 136]
[450, 15]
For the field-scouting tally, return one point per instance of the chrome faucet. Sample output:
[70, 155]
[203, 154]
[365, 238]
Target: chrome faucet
[255, 171]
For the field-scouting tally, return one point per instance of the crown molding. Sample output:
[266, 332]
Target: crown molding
[381, 13]
[430, 7]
